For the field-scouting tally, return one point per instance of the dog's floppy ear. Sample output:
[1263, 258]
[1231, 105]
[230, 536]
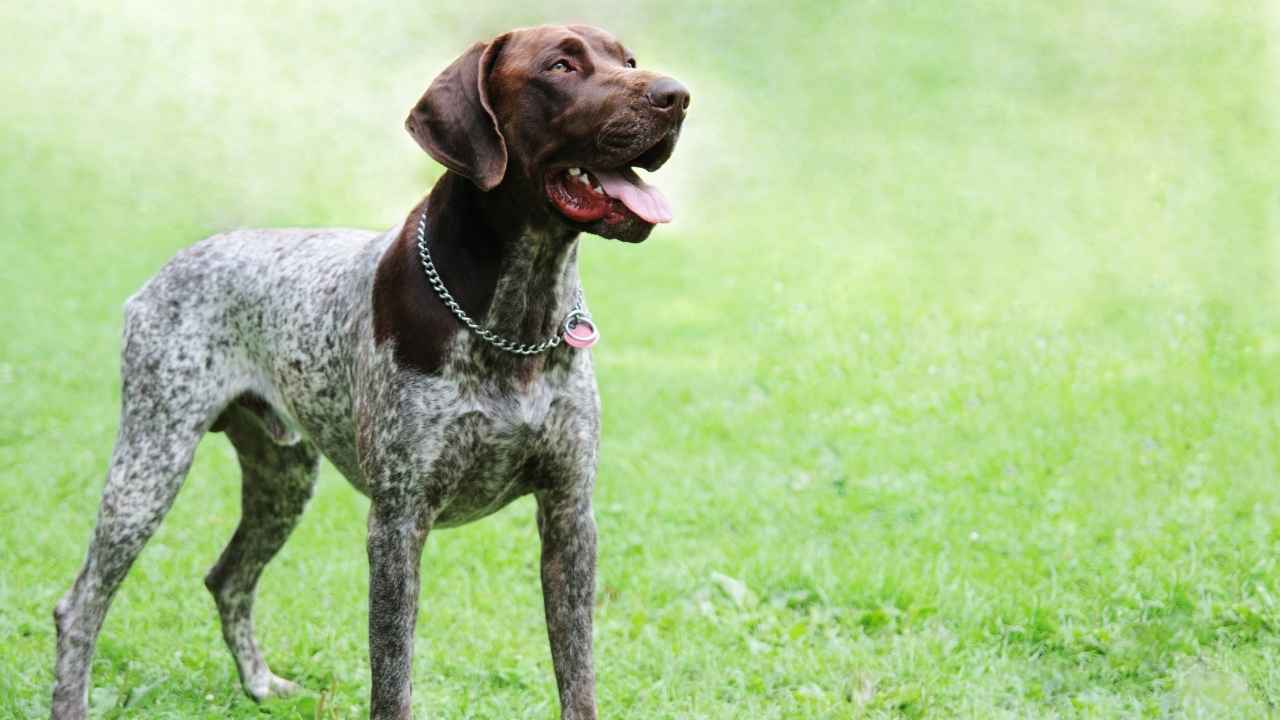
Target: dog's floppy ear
[454, 121]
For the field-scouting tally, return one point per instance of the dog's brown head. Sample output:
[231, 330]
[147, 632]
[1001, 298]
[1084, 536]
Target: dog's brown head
[560, 115]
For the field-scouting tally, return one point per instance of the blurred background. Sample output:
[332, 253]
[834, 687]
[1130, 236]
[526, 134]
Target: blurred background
[949, 393]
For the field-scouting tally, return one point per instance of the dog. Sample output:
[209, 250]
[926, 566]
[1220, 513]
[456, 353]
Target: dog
[442, 366]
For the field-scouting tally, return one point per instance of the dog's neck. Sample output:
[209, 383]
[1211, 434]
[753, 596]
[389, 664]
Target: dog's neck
[511, 269]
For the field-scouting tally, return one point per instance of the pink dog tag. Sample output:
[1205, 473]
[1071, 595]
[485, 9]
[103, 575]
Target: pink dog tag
[582, 334]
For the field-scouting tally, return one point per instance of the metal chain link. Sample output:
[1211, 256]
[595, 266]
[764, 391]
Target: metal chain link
[576, 313]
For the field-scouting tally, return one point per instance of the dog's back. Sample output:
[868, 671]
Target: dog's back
[269, 314]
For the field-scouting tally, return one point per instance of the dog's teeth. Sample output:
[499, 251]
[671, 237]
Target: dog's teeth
[575, 172]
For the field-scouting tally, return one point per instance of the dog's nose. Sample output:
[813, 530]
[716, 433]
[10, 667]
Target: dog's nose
[666, 94]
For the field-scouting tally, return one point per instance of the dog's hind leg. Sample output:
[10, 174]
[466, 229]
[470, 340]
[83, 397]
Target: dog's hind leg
[277, 482]
[159, 430]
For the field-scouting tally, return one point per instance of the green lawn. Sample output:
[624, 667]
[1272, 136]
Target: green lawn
[952, 392]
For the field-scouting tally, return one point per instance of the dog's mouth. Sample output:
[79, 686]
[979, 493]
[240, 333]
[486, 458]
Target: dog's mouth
[613, 195]
[588, 196]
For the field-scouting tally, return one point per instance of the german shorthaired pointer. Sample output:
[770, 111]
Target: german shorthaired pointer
[440, 366]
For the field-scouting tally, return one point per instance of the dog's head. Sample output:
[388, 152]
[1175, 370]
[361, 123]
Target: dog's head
[561, 115]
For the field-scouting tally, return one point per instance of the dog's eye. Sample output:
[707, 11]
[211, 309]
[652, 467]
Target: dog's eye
[560, 66]
[631, 62]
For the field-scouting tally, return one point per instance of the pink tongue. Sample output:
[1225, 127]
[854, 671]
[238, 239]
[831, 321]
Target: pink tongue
[640, 198]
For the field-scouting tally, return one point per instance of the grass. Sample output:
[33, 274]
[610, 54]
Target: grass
[951, 393]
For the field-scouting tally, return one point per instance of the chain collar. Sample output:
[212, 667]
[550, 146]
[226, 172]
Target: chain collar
[577, 314]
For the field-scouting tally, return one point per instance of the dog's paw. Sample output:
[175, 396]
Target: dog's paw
[269, 685]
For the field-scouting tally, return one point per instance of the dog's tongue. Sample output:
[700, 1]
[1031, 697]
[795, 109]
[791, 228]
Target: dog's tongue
[640, 198]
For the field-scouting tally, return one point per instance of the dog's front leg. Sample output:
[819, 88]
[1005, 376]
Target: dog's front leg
[395, 541]
[568, 533]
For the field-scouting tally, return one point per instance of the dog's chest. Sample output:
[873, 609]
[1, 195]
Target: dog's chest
[493, 453]
[462, 444]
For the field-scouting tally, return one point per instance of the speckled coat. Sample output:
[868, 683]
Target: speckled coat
[267, 335]
[306, 343]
